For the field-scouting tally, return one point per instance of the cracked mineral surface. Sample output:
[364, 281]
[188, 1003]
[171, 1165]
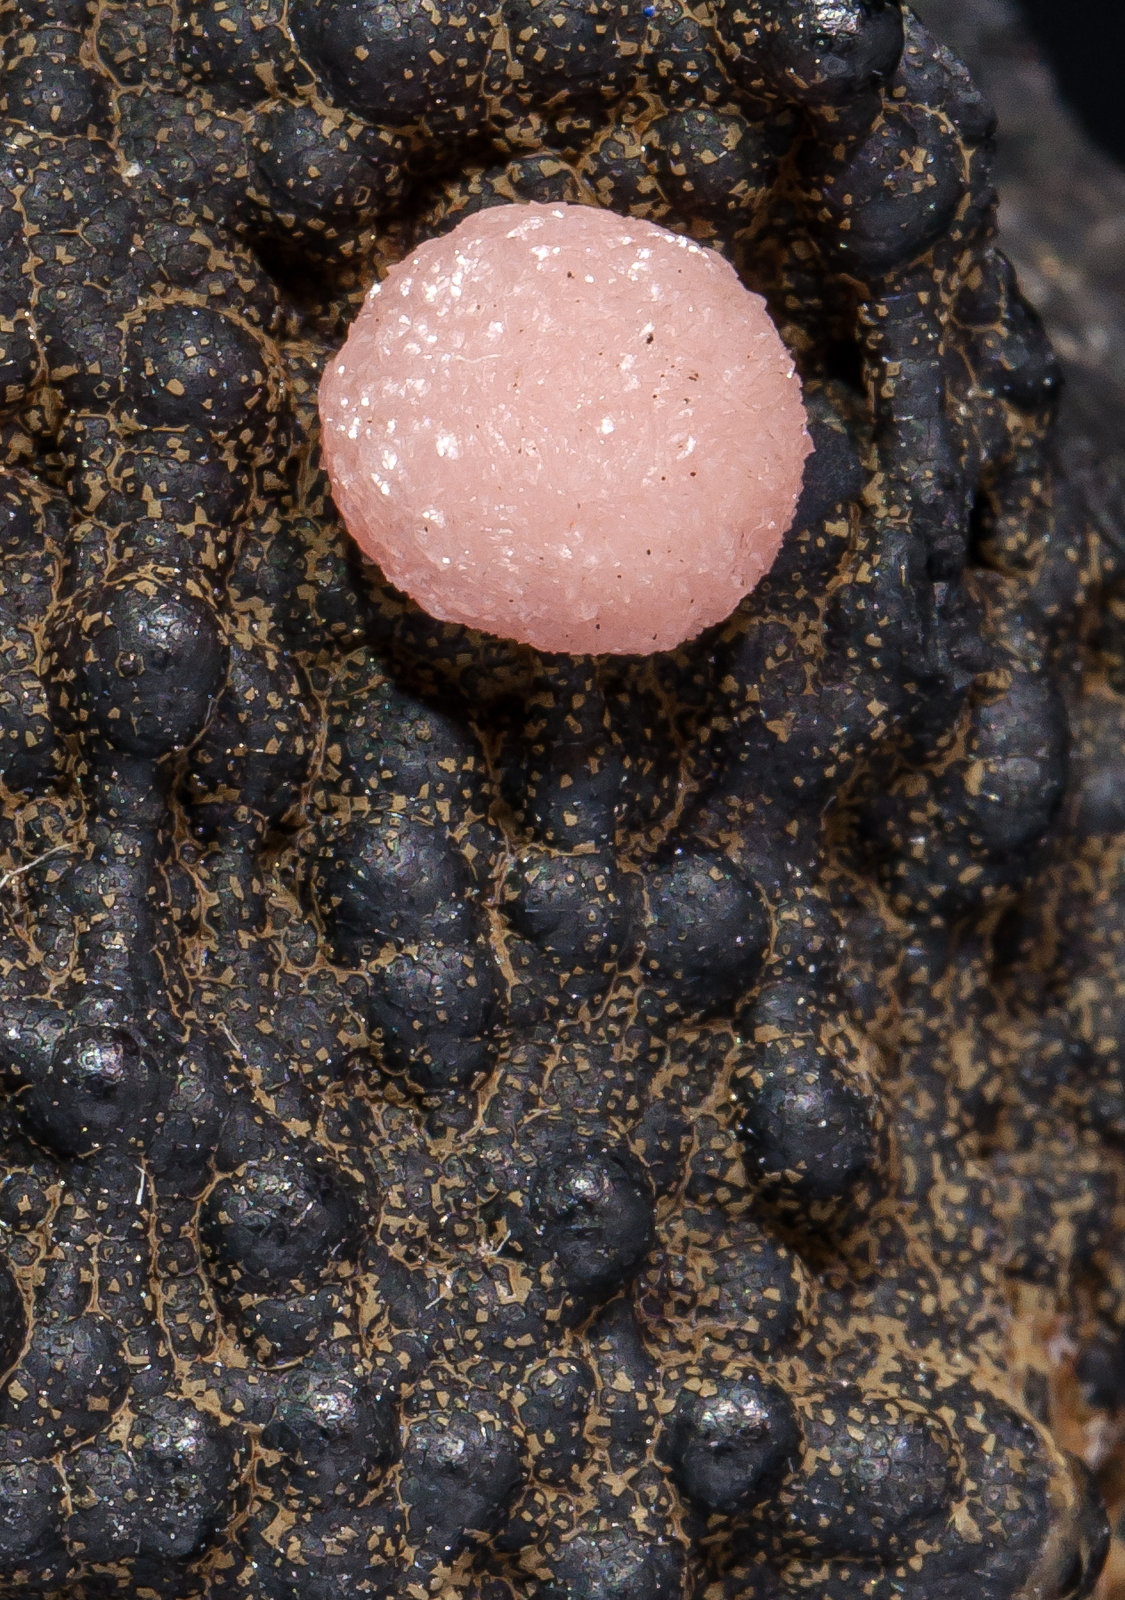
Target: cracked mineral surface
[487, 1124]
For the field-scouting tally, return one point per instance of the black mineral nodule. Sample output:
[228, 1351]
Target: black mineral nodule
[100, 1089]
[730, 1443]
[331, 1433]
[459, 1470]
[807, 1126]
[824, 52]
[139, 662]
[394, 62]
[617, 1564]
[188, 364]
[277, 1222]
[592, 1213]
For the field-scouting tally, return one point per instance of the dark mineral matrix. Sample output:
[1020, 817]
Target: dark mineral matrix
[481, 1124]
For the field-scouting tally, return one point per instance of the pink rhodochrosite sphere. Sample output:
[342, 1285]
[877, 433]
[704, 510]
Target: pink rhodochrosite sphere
[566, 427]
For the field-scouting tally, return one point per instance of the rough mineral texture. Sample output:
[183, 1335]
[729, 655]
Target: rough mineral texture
[487, 1124]
[568, 428]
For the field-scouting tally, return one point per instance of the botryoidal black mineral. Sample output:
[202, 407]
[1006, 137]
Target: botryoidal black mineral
[481, 1124]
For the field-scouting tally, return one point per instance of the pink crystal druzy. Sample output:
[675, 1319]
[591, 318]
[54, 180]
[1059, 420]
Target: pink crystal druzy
[566, 427]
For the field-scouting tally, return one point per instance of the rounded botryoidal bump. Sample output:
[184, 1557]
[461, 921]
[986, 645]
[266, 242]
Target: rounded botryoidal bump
[71, 1380]
[553, 1400]
[393, 61]
[31, 1516]
[894, 195]
[1022, 366]
[155, 1499]
[24, 1202]
[332, 1432]
[682, 55]
[138, 665]
[578, 910]
[875, 1471]
[186, 1463]
[21, 361]
[189, 366]
[29, 547]
[181, 1152]
[308, 580]
[435, 1009]
[808, 1115]
[46, 86]
[403, 752]
[79, 333]
[1039, 1513]
[543, 177]
[1008, 348]
[105, 1503]
[280, 1223]
[233, 45]
[808, 1129]
[99, 1091]
[28, 747]
[732, 1285]
[340, 1556]
[731, 1442]
[707, 929]
[391, 878]
[592, 1213]
[163, 546]
[568, 786]
[460, 1469]
[13, 1315]
[1017, 764]
[288, 1327]
[616, 168]
[582, 51]
[615, 1563]
[196, 156]
[258, 745]
[123, 479]
[315, 173]
[710, 164]
[812, 52]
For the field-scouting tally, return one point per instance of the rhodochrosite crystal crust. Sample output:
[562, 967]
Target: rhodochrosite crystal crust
[568, 428]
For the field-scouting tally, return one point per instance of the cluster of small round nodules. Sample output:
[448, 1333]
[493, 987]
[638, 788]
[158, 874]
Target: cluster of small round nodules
[480, 1122]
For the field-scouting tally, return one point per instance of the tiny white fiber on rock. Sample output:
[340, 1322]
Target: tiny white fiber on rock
[566, 427]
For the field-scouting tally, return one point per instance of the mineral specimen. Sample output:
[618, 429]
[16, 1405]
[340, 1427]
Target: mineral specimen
[572, 430]
[494, 1124]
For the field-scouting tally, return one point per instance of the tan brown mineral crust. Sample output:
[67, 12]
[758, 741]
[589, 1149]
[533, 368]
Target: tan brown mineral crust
[566, 427]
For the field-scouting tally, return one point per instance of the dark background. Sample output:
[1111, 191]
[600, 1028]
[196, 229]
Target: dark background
[1085, 40]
